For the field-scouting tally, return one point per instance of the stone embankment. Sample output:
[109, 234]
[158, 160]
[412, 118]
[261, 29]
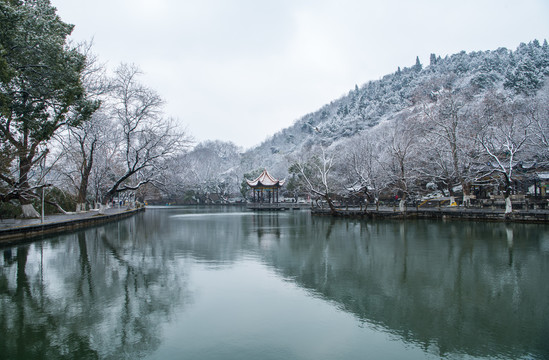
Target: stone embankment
[18, 230]
[540, 216]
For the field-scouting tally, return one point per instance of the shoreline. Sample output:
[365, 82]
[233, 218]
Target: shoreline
[530, 216]
[23, 230]
[26, 229]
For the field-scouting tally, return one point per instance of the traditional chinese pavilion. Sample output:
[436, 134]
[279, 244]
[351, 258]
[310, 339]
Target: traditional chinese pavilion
[265, 188]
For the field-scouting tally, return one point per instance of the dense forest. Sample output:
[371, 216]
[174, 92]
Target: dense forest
[82, 135]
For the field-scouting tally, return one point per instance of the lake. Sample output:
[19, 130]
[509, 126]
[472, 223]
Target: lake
[225, 283]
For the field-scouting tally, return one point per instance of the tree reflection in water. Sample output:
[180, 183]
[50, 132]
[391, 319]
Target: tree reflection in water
[464, 288]
[453, 289]
[95, 294]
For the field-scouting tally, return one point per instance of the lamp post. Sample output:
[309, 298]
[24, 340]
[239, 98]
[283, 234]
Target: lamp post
[43, 201]
[42, 217]
[43, 187]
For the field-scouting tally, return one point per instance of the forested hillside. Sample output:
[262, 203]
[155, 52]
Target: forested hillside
[439, 126]
[522, 72]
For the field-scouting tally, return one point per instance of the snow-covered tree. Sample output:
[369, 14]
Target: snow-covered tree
[40, 84]
[80, 144]
[212, 167]
[401, 145]
[146, 138]
[538, 113]
[362, 167]
[446, 122]
[315, 172]
[503, 132]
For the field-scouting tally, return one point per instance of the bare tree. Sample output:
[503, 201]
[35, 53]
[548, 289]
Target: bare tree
[401, 144]
[146, 138]
[502, 133]
[80, 146]
[315, 171]
[362, 166]
[538, 113]
[81, 143]
[212, 167]
[446, 122]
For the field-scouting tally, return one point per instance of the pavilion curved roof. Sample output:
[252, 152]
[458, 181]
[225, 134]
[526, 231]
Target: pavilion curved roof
[265, 179]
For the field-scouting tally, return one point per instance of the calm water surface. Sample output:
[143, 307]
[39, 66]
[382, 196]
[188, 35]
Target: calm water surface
[214, 283]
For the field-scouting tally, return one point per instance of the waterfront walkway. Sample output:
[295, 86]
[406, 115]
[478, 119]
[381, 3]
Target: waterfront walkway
[12, 230]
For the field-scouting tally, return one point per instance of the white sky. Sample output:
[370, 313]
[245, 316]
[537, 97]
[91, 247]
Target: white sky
[240, 70]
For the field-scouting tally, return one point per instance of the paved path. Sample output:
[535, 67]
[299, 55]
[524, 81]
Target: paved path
[15, 230]
[57, 218]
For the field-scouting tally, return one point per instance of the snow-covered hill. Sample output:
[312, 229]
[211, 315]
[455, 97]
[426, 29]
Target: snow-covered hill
[523, 71]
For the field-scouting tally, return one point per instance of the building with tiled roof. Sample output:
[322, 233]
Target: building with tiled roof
[265, 187]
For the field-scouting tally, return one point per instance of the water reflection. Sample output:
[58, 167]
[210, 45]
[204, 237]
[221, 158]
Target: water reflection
[475, 289]
[452, 289]
[99, 293]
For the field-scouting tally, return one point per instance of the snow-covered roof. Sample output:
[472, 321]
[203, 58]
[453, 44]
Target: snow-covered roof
[265, 179]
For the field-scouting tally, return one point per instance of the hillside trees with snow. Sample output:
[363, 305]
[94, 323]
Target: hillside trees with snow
[314, 172]
[445, 121]
[363, 168]
[441, 107]
[401, 140]
[503, 129]
[538, 113]
[212, 168]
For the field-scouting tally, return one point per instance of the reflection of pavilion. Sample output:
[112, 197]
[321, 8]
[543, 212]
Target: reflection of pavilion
[265, 188]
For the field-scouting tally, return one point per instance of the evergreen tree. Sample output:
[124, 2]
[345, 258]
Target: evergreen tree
[525, 79]
[418, 66]
[433, 60]
[40, 86]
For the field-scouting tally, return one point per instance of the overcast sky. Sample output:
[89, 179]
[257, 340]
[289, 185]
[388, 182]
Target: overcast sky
[241, 70]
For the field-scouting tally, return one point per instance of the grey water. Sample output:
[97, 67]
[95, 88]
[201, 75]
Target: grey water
[225, 283]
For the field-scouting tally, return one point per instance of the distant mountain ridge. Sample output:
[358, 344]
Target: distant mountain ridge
[522, 71]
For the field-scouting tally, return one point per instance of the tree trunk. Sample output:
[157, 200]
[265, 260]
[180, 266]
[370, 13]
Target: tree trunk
[466, 200]
[402, 205]
[508, 204]
[330, 204]
[83, 191]
[25, 164]
[86, 168]
[29, 211]
[466, 188]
